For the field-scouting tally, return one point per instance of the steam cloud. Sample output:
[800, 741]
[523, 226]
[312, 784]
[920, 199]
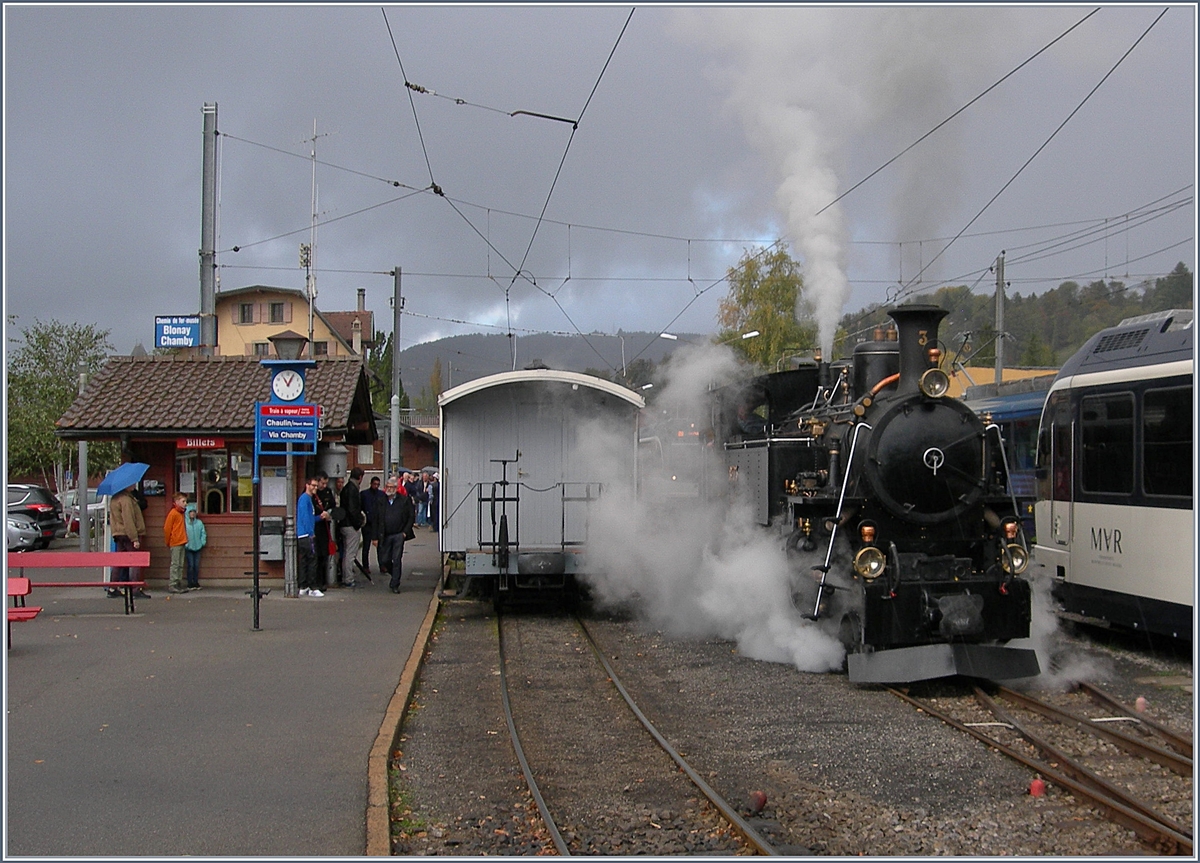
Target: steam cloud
[820, 89]
[697, 568]
[691, 568]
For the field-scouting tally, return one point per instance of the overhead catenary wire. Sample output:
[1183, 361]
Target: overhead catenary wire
[960, 110]
[1028, 161]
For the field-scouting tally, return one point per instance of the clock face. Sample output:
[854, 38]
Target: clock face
[287, 385]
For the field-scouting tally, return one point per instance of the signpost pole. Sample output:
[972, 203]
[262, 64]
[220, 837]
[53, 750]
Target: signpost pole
[257, 530]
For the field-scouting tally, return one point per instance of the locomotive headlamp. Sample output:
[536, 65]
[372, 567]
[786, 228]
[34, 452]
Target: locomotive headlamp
[869, 563]
[935, 383]
[1015, 560]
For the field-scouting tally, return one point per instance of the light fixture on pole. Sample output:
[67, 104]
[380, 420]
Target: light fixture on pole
[288, 345]
[670, 336]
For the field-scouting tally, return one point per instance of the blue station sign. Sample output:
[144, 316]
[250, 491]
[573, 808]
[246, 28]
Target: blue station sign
[282, 428]
[175, 331]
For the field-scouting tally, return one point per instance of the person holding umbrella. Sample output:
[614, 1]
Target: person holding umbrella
[127, 529]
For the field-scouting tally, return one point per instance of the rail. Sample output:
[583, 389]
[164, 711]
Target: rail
[1150, 828]
[752, 837]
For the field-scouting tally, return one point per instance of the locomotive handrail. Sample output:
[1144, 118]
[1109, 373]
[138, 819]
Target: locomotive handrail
[816, 613]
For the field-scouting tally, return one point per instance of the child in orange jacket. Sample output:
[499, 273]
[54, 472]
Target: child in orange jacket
[175, 532]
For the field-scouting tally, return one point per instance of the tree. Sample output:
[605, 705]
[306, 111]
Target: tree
[1172, 292]
[43, 381]
[379, 374]
[765, 290]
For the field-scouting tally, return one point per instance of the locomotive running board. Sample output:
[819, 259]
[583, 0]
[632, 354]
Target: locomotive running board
[930, 661]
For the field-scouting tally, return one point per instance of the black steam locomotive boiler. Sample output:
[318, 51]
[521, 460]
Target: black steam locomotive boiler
[894, 501]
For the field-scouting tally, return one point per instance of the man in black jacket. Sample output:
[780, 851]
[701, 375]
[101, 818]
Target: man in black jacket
[392, 521]
[351, 525]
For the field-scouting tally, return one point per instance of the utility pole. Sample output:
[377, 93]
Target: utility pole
[397, 309]
[1000, 318]
[208, 234]
[81, 486]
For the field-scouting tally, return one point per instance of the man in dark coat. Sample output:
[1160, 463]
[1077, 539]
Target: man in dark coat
[392, 522]
[324, 502]
[351, 525]
[370, 498]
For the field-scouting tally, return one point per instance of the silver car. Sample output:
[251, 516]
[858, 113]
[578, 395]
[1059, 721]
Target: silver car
[23, 532]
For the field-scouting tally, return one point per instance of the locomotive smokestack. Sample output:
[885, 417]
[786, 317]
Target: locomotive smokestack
[918, 326]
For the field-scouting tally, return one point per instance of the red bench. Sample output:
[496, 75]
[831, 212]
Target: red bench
[18, 589]
[83, 560]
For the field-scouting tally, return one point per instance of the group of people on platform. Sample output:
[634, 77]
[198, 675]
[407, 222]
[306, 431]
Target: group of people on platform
[344, 522]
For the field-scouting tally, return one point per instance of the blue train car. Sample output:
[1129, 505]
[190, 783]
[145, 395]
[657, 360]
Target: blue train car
[1016, 407]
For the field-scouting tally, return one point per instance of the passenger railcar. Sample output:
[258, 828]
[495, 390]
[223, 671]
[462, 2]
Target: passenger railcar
[525, 455]
[1115, 467]
[898, 496]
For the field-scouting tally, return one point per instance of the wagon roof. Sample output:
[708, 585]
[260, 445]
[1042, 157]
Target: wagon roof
[540, 376]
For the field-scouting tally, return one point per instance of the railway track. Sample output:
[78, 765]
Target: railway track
[603, 772]
[1136, 775]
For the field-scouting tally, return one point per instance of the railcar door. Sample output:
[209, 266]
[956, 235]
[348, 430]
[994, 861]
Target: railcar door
[1062, 437]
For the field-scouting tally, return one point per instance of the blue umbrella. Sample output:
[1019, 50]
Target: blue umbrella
[122, 477]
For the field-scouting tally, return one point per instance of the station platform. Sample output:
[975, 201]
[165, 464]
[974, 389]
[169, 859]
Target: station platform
[180, 730]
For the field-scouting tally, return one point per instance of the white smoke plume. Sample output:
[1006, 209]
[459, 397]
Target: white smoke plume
[689, 567]
[821, 89]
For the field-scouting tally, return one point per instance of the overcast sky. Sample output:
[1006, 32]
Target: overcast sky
[709, 131]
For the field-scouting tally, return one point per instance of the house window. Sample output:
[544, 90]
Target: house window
[320, 349]
[366, 454]
[277, 313]
[262, 349]
[246, 313]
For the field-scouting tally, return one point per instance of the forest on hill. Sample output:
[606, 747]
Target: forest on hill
[1042, 330]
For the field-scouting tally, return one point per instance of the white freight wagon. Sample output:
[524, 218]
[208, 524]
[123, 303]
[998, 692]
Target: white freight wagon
[525, 457]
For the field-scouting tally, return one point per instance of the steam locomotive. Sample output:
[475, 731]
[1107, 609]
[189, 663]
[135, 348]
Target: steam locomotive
[893, 496]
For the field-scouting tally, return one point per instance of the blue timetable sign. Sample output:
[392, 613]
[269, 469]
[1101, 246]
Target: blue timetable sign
[282, 428]
[176, 331]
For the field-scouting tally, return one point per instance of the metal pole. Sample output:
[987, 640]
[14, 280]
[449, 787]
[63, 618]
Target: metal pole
[81, 485]
[397, 309]
[256, 543]
[208, 234]
[290, 587]
[1000, 318]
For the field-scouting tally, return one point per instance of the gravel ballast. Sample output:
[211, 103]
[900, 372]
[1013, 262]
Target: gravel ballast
[846, 770]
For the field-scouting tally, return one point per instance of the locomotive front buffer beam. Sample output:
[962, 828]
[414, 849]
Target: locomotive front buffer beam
[931, 661]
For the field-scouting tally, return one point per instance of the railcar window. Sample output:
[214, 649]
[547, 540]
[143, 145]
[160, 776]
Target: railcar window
[1167, 435]
[1107, 438]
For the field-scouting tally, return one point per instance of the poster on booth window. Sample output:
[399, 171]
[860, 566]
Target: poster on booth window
[274, 491]
[187, 482]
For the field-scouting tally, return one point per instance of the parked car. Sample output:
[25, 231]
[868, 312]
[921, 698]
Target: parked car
[71, 509]
[42, 506]
[23, 532]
